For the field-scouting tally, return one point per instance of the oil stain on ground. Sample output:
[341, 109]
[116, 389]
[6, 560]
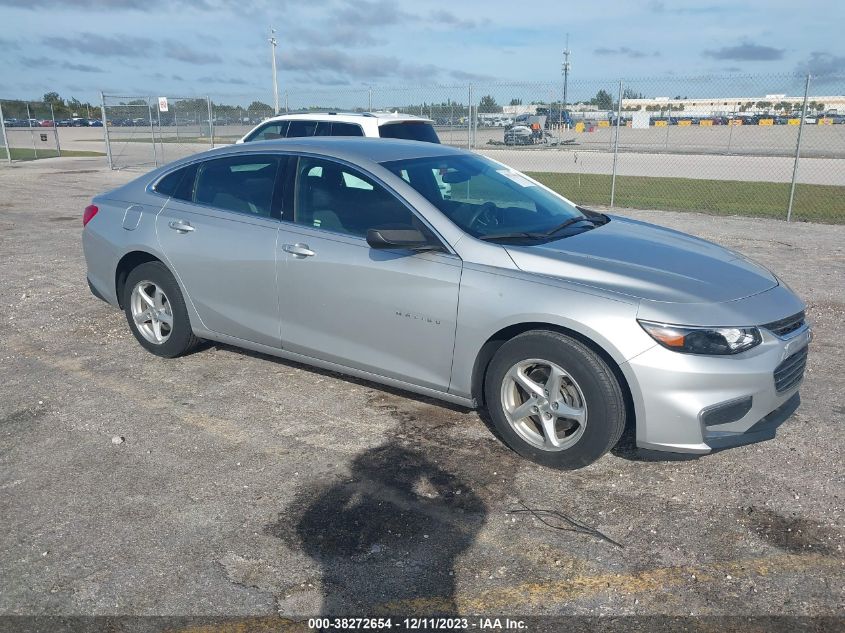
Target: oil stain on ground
[791, 534]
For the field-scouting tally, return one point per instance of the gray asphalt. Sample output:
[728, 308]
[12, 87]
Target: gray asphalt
[246, 485]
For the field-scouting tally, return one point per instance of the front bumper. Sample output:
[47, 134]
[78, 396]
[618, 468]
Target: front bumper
[694, 404]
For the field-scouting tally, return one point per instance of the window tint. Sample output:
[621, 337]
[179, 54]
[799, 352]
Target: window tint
[301, 128]
[178, 184]
[410, 131]
[347, 129]
[337, 198]
[243, 183]
[276, 129]
[167, 186]
[324, 128]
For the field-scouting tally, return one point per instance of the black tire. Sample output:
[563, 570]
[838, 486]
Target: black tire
[606, 412]
[181, 339]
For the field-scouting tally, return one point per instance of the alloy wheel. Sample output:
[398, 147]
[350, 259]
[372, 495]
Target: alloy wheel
[544, 405]
[151, 312]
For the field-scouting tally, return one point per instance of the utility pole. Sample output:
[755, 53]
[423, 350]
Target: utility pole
[566, 67]
[273, 42]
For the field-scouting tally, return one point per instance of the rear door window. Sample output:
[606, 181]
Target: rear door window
[346, 129]
[243, 184]
[300, 128]
[410, 131]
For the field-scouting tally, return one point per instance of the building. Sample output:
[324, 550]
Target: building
[711, 106]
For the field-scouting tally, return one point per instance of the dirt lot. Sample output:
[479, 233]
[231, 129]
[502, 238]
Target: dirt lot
[248, 485]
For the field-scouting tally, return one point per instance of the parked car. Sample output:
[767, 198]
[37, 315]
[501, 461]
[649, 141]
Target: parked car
[565, 323]
[372, 124]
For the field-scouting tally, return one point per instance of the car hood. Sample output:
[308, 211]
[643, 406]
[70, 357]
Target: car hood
[647, 262]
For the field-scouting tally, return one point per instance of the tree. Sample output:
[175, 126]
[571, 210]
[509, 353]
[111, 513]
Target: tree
[516, 102]
[488, 104]
[53, 97]
[602, 100]
[630, 93]
[259, 106]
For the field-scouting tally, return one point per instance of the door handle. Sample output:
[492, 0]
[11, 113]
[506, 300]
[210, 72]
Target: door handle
[298, 250]
[181, 226]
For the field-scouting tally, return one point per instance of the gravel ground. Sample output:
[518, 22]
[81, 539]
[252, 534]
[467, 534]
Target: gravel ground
[245, 485]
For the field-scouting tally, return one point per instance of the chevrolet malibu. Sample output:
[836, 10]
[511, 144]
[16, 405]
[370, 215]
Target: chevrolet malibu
[564, 323]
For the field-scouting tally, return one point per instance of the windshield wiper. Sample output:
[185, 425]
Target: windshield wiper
[570, 222]
[512, 236]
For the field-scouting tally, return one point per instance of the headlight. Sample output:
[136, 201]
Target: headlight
[703, 340]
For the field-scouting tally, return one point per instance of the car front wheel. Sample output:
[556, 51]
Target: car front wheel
[554, 400]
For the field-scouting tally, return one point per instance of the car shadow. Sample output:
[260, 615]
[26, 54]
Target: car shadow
[327, 373]
[386, 537]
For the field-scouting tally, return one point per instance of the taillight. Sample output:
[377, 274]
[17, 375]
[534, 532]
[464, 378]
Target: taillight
[90, 211]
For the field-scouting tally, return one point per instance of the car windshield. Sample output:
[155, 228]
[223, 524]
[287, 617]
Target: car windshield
[493, 202]
[409, 131]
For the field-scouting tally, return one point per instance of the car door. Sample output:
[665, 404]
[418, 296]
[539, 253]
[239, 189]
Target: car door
[218, 232]
[389, 312]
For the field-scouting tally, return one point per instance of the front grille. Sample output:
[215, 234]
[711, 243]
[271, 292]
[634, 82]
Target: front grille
[787, 325]
[790, 372]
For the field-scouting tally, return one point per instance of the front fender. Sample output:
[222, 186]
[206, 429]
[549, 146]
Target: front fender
[492, 301]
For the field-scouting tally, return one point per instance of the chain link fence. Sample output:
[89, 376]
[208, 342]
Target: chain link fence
[761, 145]
[28, 130]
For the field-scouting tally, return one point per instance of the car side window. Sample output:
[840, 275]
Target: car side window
[178, 184]
[337, 198]
[243, 184]
[346, 129]
[299, 128]
[273, 130]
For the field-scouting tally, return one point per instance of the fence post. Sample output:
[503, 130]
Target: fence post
[31, 133]
[616, 146]
[106, 129]
[152, 131]
[55, 130]
[469, 120]
[211, 117]
[5, 138]
[160, 137]
[798, 150]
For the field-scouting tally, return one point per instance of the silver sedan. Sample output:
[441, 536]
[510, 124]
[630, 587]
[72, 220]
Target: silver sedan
[447, 274]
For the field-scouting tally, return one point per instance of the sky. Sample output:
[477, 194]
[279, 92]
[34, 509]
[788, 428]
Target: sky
[219, 47]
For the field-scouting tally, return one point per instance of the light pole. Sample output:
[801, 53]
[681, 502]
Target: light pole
[272, 41]
[565, 69]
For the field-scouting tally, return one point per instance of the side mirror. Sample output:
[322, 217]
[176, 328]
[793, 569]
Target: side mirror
[410, 239]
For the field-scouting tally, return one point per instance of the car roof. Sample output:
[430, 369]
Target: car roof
[380, 117]
[355, 149]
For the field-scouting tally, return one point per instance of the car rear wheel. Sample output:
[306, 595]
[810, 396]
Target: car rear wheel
[156, 312]
[554, 400]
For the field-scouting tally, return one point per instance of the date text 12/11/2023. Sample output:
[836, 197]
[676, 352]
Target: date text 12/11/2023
[416, 624]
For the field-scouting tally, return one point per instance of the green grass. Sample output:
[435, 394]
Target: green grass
[24, 153]
[203, 140]
[813, 203]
